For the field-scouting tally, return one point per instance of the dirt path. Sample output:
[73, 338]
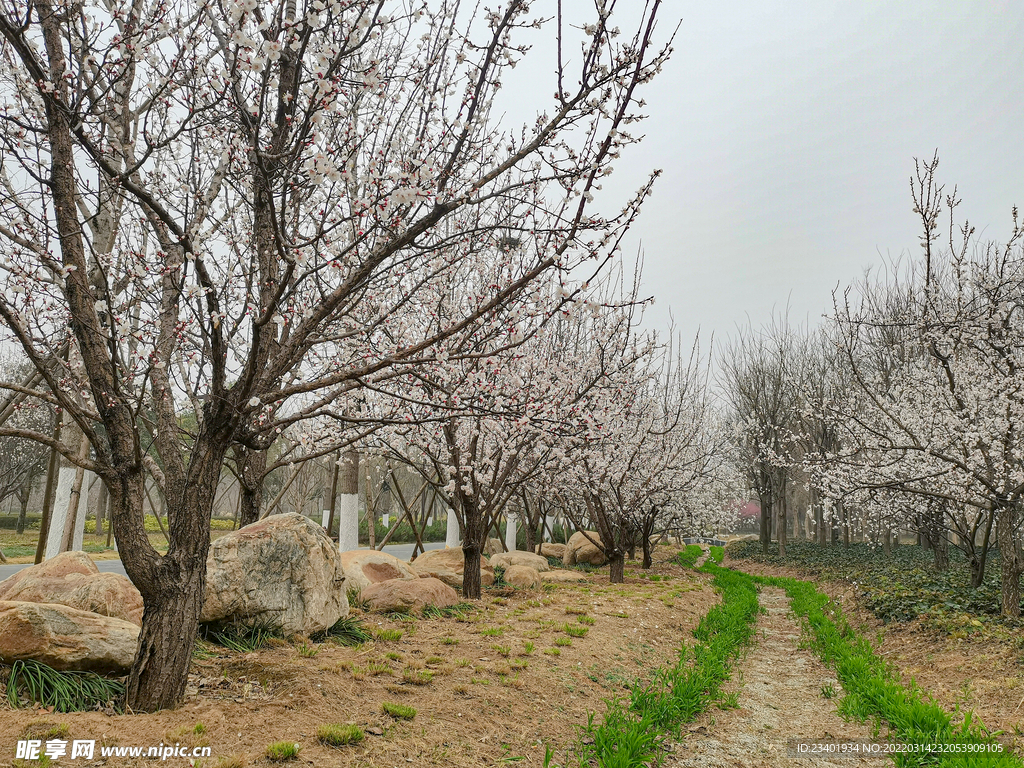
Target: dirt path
[780, 698]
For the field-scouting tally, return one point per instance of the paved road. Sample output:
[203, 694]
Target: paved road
[401, 551]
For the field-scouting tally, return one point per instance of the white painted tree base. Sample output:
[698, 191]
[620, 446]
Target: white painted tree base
[452, 536]
[61, 501]
[510, 534]
[348, 522]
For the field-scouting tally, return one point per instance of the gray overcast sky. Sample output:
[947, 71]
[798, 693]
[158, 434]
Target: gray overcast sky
[787, 131]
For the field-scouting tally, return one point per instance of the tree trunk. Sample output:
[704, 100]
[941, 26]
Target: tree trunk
[172, 586]
[334, 496]
[645, 539]
[978, 554]
[170, 623]
[782, 522]
[1006, 525]
[22, 513]
[617, 565]
[940, 550]
[820, 529]
[765, 533]
[348, 508]
[101, 508]
[251, 467]
[472, 547]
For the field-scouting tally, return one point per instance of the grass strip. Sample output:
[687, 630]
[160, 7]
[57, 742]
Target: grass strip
[874, 690]
[688, 557]
[718, 554]
[632, 732]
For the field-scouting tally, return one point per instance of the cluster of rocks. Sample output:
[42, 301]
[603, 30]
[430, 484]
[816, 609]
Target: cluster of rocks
[68, 615]
[283, 571]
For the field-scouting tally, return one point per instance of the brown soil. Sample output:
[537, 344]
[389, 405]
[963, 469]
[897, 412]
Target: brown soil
[780, 696]
[981, 675]
[479, 697]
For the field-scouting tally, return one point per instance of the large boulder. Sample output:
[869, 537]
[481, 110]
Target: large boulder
[547, 549]
[448, 565]
[66, 638]
[522, 577]
[530, 560]
[72, 579]
[364, 567]
[282, 571]
[406, 596]
[493, 546]
[579, 549]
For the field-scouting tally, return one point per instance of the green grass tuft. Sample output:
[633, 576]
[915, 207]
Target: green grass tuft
[398, 711]
[348, 630]
[339, 735]
[240, 637]
[280, 751]
[64, 691]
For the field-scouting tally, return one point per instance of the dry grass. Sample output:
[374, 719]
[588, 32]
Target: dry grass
[486, 703]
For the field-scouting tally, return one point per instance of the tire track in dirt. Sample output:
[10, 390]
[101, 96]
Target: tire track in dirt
[780, 698]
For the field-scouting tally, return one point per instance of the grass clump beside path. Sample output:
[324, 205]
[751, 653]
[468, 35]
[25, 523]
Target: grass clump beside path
[688, 557]
[632, 732]
[873, 690]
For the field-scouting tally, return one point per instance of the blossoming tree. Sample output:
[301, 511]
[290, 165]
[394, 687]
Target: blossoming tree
[226, 207]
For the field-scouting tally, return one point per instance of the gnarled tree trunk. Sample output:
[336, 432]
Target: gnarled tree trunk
[1006, 528]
